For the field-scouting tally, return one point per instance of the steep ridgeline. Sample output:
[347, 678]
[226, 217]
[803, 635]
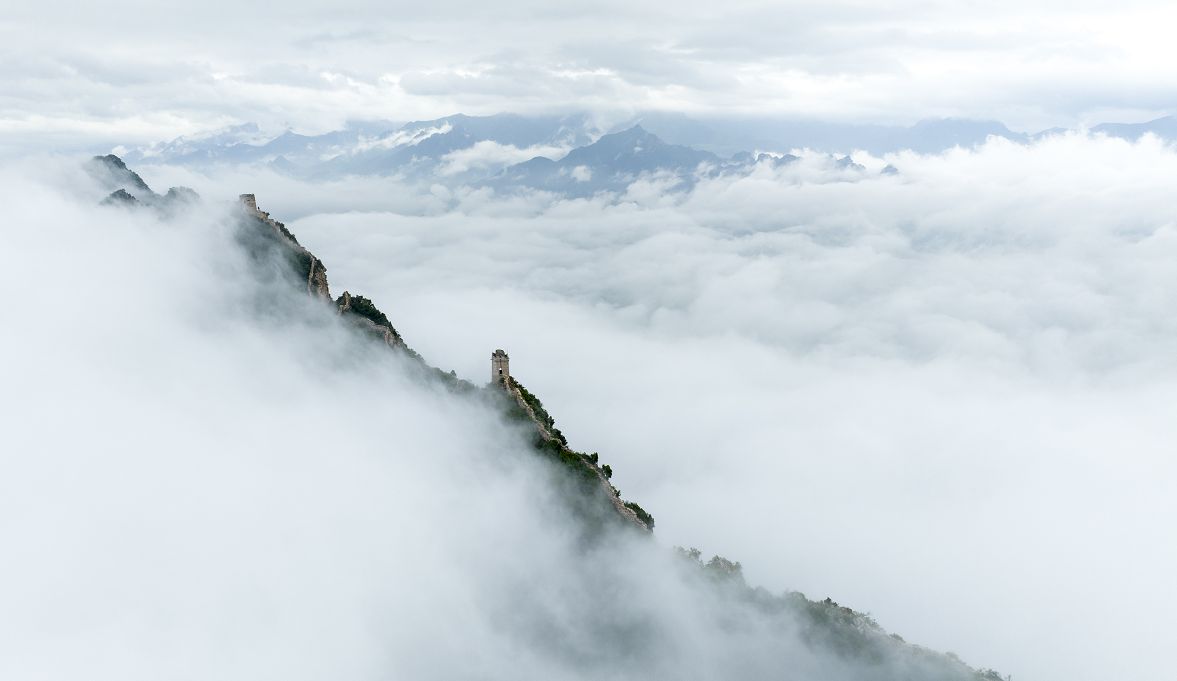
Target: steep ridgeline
[584, 468]
[264, 237]
[847, 635]
[595, 499]
[831, 630]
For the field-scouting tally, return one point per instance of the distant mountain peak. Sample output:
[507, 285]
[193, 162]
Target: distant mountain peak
[608, 164]
[1164, 127]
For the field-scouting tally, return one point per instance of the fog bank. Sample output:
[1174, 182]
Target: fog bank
[205, 476]
[942, 397]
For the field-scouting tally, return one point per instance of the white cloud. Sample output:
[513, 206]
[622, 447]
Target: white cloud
[401, 138]
[206, 477]
[489, 154]
[939, 396]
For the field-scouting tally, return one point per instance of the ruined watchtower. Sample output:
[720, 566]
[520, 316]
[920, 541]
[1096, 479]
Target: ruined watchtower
[500, 372]
[250, 202]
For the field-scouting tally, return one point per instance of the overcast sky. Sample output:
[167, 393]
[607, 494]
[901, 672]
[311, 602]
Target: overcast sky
[142, 71]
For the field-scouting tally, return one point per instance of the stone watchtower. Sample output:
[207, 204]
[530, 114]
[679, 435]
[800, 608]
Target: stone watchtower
[500, 372]
[250, 202]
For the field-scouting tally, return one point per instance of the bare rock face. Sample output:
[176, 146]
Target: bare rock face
[317, 279]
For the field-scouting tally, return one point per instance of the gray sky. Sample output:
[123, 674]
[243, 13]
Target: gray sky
[137, 71]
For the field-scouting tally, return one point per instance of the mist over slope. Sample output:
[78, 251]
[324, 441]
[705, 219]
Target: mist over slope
[960, 375]
[208, 475]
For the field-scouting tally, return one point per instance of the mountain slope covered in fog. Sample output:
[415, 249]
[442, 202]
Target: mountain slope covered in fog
[738, 630]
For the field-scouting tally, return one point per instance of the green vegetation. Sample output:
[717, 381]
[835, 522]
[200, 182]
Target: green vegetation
[286, 232]
[641, 513]
[572, 461]
[826, 624]
[583, 466]
[537, 407]
[365, 308]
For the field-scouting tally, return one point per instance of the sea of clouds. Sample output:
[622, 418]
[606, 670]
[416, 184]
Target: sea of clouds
[204, 476]
[944, 397]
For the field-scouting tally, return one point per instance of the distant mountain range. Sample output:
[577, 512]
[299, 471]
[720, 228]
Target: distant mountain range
[571, 155]
[373, 147]
[610, 163]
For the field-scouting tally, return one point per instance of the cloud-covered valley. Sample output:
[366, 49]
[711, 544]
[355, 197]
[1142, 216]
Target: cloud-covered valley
[875, 300]
[941, 396]
[206, 475]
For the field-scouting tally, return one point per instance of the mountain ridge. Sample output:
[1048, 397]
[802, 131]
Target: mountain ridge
[719, 136]
[570, 156]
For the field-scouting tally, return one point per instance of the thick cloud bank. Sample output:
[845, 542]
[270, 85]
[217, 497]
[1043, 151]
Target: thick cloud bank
[943, 396]
[205, 477]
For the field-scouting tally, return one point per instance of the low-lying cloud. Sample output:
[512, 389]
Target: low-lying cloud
[939, 396]
[942, 397]
[205, 476]
[489, 154]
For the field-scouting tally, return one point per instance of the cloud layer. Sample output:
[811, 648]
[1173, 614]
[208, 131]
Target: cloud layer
[940, 396]
[205, 476]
